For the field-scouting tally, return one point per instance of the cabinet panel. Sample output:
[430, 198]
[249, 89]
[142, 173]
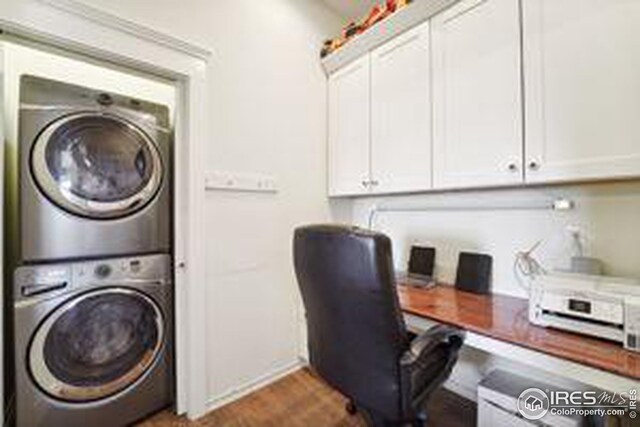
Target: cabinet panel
[477, 95]
[401, 114]
[349, 129]
[582, 80]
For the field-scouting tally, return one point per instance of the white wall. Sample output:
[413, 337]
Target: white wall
[352, 10]
[269, 105]
[268, 116]
[608, 214]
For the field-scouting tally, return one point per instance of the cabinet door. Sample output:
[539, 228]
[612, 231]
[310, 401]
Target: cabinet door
[477, 95]
[401, 114]
[582, 80]
[349, 129]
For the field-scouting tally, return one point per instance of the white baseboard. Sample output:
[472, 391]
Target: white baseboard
[251, 386]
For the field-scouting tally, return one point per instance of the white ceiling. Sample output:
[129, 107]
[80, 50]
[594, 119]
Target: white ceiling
[350, 9]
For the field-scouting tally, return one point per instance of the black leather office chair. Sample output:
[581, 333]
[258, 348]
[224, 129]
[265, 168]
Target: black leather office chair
[358, 342]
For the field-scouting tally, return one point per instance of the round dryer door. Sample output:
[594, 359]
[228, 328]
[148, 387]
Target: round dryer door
[96, 165]
[96, 345]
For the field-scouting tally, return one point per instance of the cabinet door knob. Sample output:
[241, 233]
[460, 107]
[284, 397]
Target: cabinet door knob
[533, 165]
[374, 183]
[365, 183]
[513, 167]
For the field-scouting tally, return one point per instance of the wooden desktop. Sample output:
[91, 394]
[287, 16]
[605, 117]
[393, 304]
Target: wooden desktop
[504, 319]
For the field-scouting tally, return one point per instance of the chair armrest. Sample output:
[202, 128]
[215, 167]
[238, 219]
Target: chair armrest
[430, 339]
[428, 363]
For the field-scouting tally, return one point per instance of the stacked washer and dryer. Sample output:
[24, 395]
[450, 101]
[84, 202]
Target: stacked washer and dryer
[92, 279]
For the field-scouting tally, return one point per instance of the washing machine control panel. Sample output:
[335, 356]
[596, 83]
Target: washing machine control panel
[34, 281]
[50, 280]
[102, 271]
[115, 271]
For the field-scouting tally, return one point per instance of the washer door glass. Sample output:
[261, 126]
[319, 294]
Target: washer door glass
[96, 165]
[96, 345]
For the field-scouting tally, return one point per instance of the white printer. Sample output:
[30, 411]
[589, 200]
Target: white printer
[600, 306]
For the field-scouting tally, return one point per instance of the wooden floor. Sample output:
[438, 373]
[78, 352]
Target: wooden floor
[301, 400]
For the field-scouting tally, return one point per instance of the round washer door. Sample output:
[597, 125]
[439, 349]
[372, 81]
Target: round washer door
[96, 345]
[96, 165]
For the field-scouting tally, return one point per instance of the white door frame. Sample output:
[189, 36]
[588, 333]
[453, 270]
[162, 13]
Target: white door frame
[2, 140]
[79, 28]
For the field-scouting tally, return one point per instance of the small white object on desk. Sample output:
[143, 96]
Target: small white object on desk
[241, 182]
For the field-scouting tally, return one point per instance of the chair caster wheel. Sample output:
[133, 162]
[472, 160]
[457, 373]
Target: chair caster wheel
[421, 420]
[351, 408]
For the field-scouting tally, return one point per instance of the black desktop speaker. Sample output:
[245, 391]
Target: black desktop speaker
[474, 273]
[422, 260]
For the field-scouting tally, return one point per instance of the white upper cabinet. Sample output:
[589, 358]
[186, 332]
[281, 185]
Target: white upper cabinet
[441, 106]
[349, 129]
[401, 114]
[478, 128]
[582, 80]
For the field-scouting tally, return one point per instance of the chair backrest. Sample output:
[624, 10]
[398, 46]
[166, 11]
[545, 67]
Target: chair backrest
[356, 331]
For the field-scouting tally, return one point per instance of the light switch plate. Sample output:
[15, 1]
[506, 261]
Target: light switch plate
[237, 181]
